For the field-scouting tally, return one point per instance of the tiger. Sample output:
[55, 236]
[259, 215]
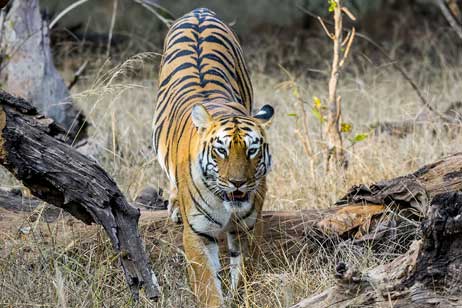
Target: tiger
[213, 150]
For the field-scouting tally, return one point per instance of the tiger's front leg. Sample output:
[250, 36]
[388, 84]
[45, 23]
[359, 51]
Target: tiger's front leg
[237, 250]
[243, 242]
[173, 208]
[204, 266]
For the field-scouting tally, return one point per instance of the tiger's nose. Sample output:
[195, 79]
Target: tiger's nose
[237, 182]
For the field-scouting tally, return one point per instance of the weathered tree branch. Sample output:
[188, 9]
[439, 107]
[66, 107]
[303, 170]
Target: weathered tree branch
[366, 213]
[32, 148]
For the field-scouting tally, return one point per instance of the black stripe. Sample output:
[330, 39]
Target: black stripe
[250, 212]
[178, 69]
[205, 235]
[203, 211]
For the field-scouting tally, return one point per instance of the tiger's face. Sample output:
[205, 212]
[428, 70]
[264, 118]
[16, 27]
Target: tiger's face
[234, 154]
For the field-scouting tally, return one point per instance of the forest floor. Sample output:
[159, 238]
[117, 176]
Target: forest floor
[67, 264]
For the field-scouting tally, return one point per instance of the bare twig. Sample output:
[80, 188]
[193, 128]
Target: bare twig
[450, 18]
[348, 46]
[65, 11]
[348, 13]
[77, 75]
[330, 35]
[158, 11]
[111, 29]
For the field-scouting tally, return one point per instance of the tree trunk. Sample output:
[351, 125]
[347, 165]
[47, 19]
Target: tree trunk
[32, 148]
[28, 70]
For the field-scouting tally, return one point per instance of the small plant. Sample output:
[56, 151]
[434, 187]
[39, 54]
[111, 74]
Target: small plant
[335, 154]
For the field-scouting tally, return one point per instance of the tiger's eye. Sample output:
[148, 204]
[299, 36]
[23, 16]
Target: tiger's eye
[221, 151]
[252, 151]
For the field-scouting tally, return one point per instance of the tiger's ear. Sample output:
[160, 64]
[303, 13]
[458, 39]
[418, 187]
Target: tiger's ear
[200, 116]
[265, 115]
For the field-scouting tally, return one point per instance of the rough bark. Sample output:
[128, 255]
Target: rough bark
[412, 190]
[428, 275]
[32, 149]
[365, 213]
[16, 201]
[286, 233]
[28, 69]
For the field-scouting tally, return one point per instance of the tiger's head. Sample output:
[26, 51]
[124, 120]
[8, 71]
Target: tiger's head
[234, 154]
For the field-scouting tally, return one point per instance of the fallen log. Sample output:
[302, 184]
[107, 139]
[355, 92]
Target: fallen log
[427, 275]
[360, 215]
[32, 148]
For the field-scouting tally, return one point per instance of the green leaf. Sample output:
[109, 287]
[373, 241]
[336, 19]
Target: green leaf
[292, 114]
[295, 92]
[332, 5]
[360, 137]
[317, 114]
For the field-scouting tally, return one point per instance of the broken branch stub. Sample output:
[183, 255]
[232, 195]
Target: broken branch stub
[32, 148]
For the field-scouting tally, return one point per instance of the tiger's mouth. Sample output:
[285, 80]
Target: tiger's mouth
[236, 195]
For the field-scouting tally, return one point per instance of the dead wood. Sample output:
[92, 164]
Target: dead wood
[428, 275]
[32, 149]
[28, 69]
[450, 122]
[412, 190]
[287, 233]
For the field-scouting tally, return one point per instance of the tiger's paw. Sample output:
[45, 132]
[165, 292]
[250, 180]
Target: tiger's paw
[174, 211]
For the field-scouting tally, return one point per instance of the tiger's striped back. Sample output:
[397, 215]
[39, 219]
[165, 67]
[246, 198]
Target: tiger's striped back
[202, 63]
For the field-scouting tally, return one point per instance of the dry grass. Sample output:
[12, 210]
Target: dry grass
[67, 265]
